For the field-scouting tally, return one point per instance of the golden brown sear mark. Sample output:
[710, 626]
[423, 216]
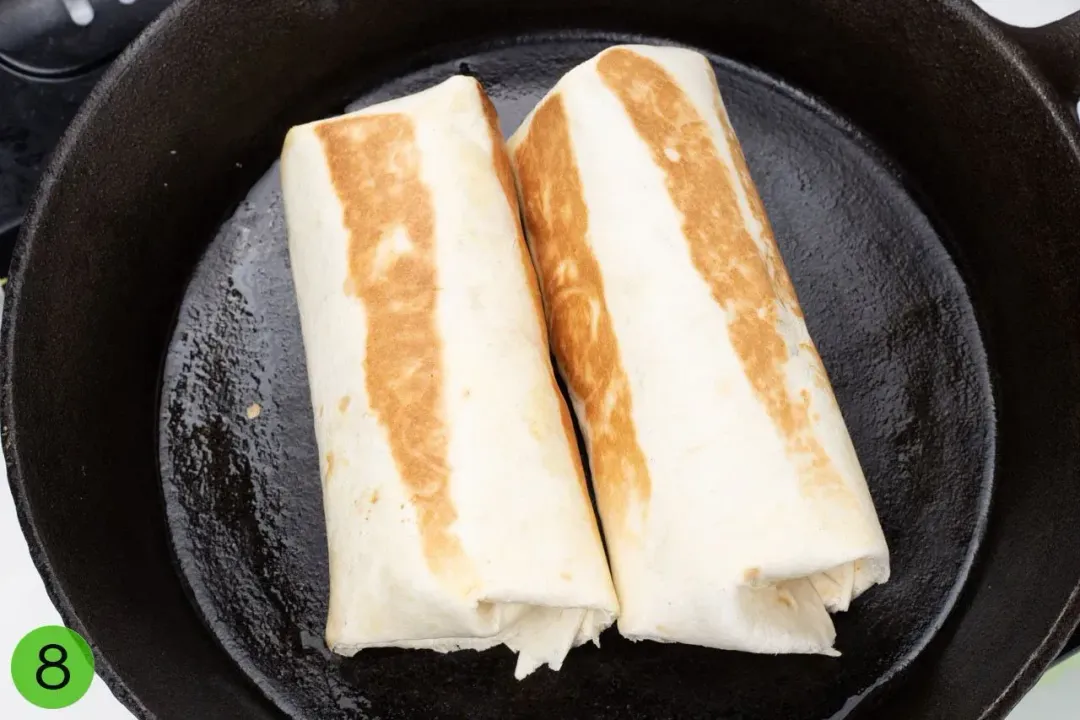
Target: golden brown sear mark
[375, 167]
[581, 331]
[785, 291]
[749, 282]
[506, 179]
[343, 403]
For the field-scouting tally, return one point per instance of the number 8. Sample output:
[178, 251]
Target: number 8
[46, 664]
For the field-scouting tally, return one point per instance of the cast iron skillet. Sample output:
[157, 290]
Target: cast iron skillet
[921, 165]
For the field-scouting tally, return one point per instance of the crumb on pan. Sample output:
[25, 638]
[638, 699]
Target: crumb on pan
[253, 411]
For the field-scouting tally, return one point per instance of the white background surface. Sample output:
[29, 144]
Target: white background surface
[25, 606]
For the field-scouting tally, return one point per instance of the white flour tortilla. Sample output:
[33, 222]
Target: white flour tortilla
[456, 510]
[733, 504]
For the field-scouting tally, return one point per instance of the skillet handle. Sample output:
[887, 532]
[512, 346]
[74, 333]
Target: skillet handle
[1055, 48]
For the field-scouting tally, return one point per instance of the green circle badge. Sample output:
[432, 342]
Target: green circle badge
[52, 667]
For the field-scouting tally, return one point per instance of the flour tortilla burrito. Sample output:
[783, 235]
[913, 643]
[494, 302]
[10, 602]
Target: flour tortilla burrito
[456, 509]
[733, 504]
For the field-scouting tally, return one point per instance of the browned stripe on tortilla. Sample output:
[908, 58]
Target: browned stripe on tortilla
[736, 269]
[390, 217]
[506, 179]
[781, 280]
[581, 330]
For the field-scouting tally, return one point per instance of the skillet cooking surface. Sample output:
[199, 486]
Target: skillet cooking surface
[884, 303]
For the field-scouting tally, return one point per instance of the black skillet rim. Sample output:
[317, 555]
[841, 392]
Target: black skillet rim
[1056, 639]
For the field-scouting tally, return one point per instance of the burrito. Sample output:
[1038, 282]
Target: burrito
[457, 512]
[734, 508]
